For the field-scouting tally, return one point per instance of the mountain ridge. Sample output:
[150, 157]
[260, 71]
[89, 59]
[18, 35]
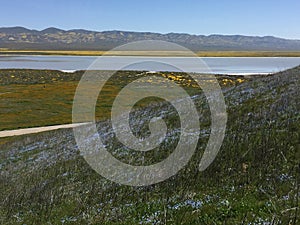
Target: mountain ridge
[52, 38]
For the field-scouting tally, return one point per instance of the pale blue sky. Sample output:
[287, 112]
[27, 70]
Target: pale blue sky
[254, 17]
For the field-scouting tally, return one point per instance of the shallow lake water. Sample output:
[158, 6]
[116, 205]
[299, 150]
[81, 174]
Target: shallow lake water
[216, 65]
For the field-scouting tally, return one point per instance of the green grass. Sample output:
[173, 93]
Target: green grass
[45, 180]
[33, 98]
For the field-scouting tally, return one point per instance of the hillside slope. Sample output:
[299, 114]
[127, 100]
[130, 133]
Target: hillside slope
[253, 180]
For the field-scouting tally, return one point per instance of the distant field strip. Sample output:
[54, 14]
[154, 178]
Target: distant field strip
[10, 133]
[157, 53]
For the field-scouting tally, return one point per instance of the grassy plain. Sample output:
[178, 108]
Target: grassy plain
[32, 98]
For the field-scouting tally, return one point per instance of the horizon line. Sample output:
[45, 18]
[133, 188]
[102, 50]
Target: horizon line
[154, 32]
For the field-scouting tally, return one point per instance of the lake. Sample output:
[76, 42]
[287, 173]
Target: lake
[217, 65]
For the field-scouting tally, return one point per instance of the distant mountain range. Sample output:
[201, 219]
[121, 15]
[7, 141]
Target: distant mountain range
[20, 38]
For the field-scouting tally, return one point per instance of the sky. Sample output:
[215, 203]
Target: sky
[279, 18]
